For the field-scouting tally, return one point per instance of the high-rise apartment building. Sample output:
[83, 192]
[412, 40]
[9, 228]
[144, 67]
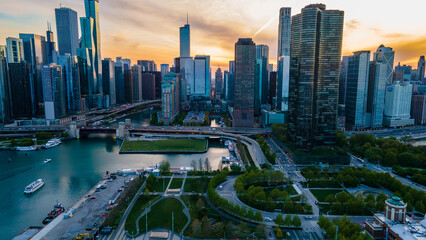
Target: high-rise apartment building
[244, 90]
[170, 97]
[283, 59]
[54, 93]
[357, 90]
[67, 31]
[14, 50]
[316, 48]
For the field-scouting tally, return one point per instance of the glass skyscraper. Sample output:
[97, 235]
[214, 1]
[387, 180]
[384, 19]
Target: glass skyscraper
[67, 30]
[357, 90]
[283, 59]
[185, 41]
[316, 48]
[244, 88]
[53, 92]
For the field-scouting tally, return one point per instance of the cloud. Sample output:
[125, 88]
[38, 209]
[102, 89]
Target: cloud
[352, 24]
[395, 35]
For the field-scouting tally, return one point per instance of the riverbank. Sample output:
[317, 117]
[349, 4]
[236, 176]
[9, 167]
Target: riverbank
[165, 146]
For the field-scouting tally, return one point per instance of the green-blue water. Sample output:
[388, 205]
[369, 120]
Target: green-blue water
[76, 167]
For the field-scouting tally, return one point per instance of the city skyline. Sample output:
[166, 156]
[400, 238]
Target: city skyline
[127, 25]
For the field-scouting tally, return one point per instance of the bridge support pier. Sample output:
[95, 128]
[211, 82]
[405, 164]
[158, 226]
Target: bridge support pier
[121, 131]
[128, 123]
[74, 132]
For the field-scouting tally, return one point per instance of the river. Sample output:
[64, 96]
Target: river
[76, 167]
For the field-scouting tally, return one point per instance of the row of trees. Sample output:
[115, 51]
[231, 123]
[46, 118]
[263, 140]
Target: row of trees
[351, 177]
[358, 205]
[387, 151]
[223, 203]
[287, 221]
[346, 230]
[201, 165]
[261, 177]
[270, 156]
[415, 175]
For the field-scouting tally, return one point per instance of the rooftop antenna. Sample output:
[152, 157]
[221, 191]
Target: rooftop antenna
[187, 19]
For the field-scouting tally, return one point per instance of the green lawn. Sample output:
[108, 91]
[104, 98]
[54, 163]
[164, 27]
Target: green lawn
[165, 145]
[158, 185]
[137, 210]
[322, 184]
[176, 183]
[322, 194]
[160, 216]
[196, 185]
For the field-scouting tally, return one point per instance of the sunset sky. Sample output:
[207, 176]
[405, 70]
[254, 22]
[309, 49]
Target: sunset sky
[149, 29]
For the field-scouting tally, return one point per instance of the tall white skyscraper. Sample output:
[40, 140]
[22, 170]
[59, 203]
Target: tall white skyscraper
[14, 50]
[398, 105]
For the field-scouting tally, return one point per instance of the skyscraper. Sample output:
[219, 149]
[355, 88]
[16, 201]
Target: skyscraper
[164, 69]
[231, 82]
[67, 30]
[148, 83]
[421, 68]
[316, 48]
[386, 56]
[137, 83]
[398, 105]
[72, 83]
[128, 86]
[50, 48]
[218, 83]
[147, 65]
[185, 40]
[5, 107]
[343, 79]
[14, 50]
[92, 11]
[357, 90]
[202, 76]
[53, 92]
[119, 81]
[245, 59]
[283, 59]
[21, 91]
[261, 77]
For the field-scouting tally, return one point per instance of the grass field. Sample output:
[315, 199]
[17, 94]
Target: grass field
[178, 145]
[137, 210]
[322, 194]
[158, 185]
[176, 183]
[160, 216]
[196, 185]
[322, 184]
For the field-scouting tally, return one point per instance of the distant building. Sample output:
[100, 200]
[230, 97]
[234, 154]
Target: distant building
[272, 88]
[14, 50]
[343, 79]
[185, 41]
[283, 59]
[5, 105]
[50, 47]
[202, 76]
[108, 81]
[272, 117]
[398, 105]
[164, 69]
[357, 91]
[148, 83]
[137, 83]
[316, 50]
[219, 83]
[147, 65]
[128, 86]
[72, 83]
[67, 31]
[230, 83]
[421, 68]
[119, 81]
[244, 89]
[261, 77]
[418, 108]
[53, 92]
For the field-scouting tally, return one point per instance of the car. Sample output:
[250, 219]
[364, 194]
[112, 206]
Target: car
[93, 197]
[220, 187]
[308, 217]
[268, 219]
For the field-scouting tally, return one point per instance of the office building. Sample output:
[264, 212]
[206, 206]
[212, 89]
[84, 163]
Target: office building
[244, 90]
[230, 83]
[357, 91]
[128, 86]
[148, 89]
[219, 83]
[272, 88]
[225, 88]
[421, 67]
[108, 81]
[14, 50]
[71, 79]
[137, 83]
[50, 47]
[5, 107]
[418, 108]
[314, 76]
[261, 77]
[119, 81]
[21, 90]
[164, 69]
[201, 85]
[147, 65]
[272, 117]
[185, 41]
[283, 59]
[186, 69]
[386, 56]
[343, 79]
[398, 105]
[67, 31]
[35, 54]
[92, 12]
[54, 93]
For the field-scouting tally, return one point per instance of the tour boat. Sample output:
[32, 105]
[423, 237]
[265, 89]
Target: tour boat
[53, 143]
[55, 212]
[34, 186]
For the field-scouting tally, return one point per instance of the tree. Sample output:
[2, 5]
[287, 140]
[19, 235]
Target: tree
[196, 227]
[287, 220]
[390, 159]
[200, 164]
[164, 167]
[309, 175]
[279, 220]
[258, 216]
[279, 232]
[207, 165]
[420, 207]
[13, 143]
[341, 139]
[296, 221]
[194, 164]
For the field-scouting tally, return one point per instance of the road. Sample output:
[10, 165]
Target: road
[414, 131]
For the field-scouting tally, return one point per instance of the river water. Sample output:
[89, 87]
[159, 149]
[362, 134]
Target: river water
[76, 167]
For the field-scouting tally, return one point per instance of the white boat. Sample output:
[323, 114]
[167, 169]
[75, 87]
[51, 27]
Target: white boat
[47, 160]
[34, 186]
[30, 148]
[52, 143]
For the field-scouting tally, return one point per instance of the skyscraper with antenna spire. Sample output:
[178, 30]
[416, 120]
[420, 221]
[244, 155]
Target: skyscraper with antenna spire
[185, 39]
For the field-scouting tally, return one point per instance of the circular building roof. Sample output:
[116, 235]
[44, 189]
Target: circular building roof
[396, 201]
